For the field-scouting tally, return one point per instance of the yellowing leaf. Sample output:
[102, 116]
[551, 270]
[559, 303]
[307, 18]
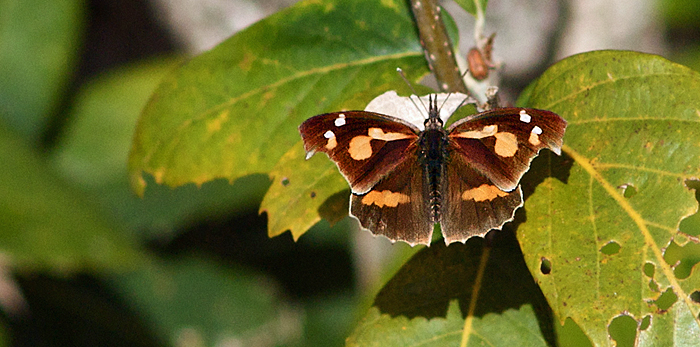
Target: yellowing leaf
[634, 123]
[234, 110]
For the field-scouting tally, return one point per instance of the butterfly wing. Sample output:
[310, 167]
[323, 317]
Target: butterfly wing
[500, 144]
[397, 206]
[365, 146]
[487, 157]
[471, 204]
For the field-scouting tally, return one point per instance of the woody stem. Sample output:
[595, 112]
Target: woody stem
[437, 45]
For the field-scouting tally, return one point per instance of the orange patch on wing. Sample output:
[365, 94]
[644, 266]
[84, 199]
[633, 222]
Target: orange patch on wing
[379, 134]
[506, 144]
[385, 198]
[484, 192]
[489, 130]
[534, 139]
[360, 148]
[332, 142]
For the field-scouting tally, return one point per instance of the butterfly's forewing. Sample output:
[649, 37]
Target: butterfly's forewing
[397, 206]
[365, 146]
[501, 143]
[471, 204]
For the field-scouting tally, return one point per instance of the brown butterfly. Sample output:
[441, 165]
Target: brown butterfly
[404, 180]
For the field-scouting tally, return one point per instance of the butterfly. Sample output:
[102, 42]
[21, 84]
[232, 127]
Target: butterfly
[404, 180]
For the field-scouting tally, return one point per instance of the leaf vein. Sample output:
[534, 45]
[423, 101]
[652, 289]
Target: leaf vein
[586, 164]
[234, 100]
[605, 166]
[588, 88]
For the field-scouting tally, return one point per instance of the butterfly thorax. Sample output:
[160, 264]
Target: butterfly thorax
[432, 155]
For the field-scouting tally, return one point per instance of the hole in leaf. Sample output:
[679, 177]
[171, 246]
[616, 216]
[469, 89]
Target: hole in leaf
[313, 195]
[649, 269]
[628, 190]
[691, 225]
[285, 181]
[623, 329]
[683, 258]
[570, 334]
[653, 286]
[611, 248]
[545, 266]
[695, 296]
[646, 322]
[666, 300]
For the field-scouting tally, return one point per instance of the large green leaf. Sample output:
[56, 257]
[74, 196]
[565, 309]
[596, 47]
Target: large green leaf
[47, 223]
[39, 41]
[234, 110]
[464, 294]
[604, 227]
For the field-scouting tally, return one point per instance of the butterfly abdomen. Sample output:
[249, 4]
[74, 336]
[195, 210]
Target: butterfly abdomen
[433, 151]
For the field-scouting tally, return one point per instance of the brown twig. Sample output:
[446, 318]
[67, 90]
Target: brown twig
[437, 46]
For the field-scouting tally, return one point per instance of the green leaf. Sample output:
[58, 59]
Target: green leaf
[192, 302]
[46, 223]
[94, 149]
[464, 294]
[39, 43]
[470, 5]
[634, 121]
[299, 189]
[234, 110]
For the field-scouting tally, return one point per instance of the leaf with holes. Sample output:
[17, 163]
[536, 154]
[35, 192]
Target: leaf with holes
[597, 239]
[464, 294]
[234, 110]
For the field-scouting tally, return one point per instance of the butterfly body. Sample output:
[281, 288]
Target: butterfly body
[404, 179]
[432, 156]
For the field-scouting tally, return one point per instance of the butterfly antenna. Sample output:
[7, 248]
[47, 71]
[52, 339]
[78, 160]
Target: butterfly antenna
[466, 100]
[413, 90]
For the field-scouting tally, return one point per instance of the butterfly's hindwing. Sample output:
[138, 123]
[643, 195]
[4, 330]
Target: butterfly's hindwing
[397, 206]
[501, 143]
[472, 205]
[365, 146]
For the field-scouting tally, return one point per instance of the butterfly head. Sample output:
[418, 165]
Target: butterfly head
[433, 121]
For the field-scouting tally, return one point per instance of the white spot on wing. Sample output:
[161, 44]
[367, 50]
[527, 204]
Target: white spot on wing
[340, 121]
[524, 117]
[534, 136]
[332, 142]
